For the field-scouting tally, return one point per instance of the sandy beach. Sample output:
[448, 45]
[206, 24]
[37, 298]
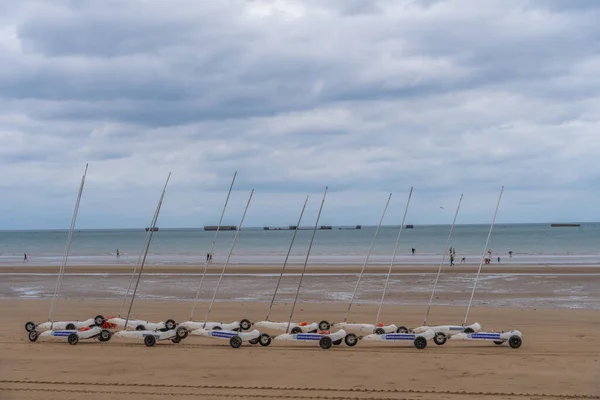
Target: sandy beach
[560, 357]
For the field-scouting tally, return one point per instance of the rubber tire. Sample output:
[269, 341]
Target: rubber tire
[104, 336]
[217, 328]
[149, 340]
[264, 340]
[176, 339]
[182, 332]
[325, 342]
[420, 342]
[338, 342]
[498, 342]
[30, 326]
[70, 327]
[99, 320]
[469, 330]
[170, 324]
[254, 341]
[140, 328]
[438, 341]
[324, 325]
[515, 342]
[351, 340]
[296, 329]
[33, 336]
[379, 331]
[235, 342]
[245, 324]
[402, 329]
[73, 339]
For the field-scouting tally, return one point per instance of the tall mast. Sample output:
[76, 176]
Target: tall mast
[367, 258]
[393, 257]
[487, 241]
[287, 257]
[437, 278]
[306, 261]
[227, 261]
[63, 265]
[212, 247]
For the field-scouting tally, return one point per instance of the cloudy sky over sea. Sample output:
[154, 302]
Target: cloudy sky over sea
[367, 97]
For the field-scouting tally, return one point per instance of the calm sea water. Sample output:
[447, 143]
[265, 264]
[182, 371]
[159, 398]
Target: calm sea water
[530, 243]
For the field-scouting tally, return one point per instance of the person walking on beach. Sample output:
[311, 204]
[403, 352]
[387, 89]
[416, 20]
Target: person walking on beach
[498, 259]
[510, 254]
[25, 257]
[207, 256]
[118, 255]
[210, 258]
[463, 260]
[451, 260]
[413, 251]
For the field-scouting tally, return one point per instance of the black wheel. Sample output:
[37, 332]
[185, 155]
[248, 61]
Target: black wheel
[338, 342]
[182, 332]
[216, 328]
[515, 342]
[245, 324]
[170, 324]
[149, 340]
[420, 342]
[325, 342]
[176, 339]
[235, 342]
[468, 330]
[73, 338]
[296, 329]
[104, 336]
[440, 338]
[33, 336]
[29, 326]
[324, 325]
[99, 320]
[402, 329]
[379, 331]
[70, 327]
[254, 341]
[498, 342]
[351, 339]
[264, 340]
[140, 328]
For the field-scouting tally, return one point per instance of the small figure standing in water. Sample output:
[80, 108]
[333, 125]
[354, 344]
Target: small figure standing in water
[463, 260]
[510, 254]
[25, 257]
[210, 258]
[118, 254]
[207, 257]
[498, 260]
[413, 251]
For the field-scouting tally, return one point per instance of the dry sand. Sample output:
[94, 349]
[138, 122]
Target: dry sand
[560, 357]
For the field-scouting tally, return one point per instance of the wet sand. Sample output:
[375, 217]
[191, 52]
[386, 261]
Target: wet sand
[560, 356]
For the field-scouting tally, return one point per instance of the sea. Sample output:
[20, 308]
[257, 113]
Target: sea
[529, 244]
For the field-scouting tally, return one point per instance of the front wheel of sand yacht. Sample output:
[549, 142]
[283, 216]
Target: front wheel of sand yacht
[235, 342]
[468, 330]
[182, 332]
[324, 325]
[33, 336]
[296, 329]
[515, 342]
[498, 342]
[245, 324]
[216, 328]
[140, 328]
[379, 331]
[170, 324]
[73, 339]
[254, 341]
[439, 338]
[176, 339]
[99, 320]
[420, 342]
[338, 342]
[264, 340]
[29, 326]
[104, 336]
[351, 339]
[402, 329]
[149, 340]
[70, 327]
[325, 342]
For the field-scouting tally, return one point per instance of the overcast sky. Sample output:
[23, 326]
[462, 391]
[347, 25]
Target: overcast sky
[366, 97]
